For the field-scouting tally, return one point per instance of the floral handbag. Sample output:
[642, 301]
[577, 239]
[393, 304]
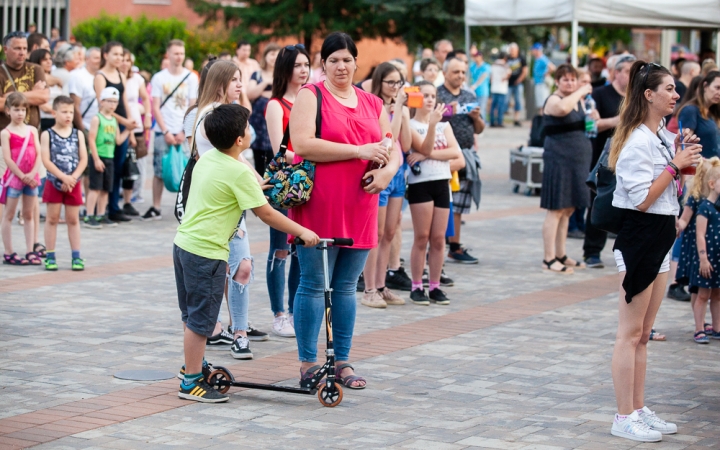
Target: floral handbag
[291, 184]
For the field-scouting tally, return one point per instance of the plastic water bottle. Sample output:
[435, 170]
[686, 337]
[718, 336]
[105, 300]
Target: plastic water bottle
[591, 129]
[387, 142]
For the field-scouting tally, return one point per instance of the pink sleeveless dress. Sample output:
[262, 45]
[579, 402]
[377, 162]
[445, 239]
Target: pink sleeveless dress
[27, 163]
[338, 206]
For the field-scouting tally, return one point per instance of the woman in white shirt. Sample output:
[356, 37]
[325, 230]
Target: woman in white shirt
[647, 169]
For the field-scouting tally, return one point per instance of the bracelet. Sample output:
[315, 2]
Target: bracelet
[671, 164]
[671, 171]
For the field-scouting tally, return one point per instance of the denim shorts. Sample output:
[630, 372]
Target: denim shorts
[200, 286]
[26, 190]
[395, 189]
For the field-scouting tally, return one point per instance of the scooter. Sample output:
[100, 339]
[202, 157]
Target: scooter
[330, 392]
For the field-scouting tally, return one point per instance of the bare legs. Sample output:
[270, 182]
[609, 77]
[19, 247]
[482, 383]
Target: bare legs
[72, 219]
[699, 307]
[429, 226]
[28, 210]
[554, 233]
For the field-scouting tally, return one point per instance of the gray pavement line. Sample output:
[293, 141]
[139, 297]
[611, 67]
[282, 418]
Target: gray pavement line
[44, 278]
[128, 404]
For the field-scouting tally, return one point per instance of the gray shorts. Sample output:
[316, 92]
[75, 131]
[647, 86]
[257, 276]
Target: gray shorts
[200, 285]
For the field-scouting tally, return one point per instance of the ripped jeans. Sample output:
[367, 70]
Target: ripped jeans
[239, 294]
[275, 271]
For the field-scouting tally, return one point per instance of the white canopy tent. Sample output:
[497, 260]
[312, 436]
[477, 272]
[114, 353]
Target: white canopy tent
[640, 13]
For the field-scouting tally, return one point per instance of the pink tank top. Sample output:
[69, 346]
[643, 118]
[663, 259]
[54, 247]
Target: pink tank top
[28, 161]
[338, 206]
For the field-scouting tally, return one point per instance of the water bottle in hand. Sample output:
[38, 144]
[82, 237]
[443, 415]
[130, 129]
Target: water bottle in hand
[387, 142]
[591, 129]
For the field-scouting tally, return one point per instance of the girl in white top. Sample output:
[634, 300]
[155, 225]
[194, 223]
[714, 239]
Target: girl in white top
[647, 167]
[434, 147]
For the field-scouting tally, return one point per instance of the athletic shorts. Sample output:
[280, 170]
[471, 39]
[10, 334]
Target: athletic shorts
[102, 181]
[200, 286]
[53, 195]
[395, 189]
[437, 191]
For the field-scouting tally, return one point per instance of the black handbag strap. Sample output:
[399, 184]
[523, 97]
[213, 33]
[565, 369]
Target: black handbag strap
[318, 123]
[173, 91]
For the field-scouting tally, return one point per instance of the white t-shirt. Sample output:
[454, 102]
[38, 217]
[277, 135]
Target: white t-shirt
[64, 76]
[431, 169]
[497, 84]
[132, 95]
[203, 143]
[55, 91]
[81, 83]
[173, 112]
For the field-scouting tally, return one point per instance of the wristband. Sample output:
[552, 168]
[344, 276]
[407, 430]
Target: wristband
[672, 171]
[671, 164]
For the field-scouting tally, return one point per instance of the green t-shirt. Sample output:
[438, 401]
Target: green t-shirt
[105, 139]
[221, 188]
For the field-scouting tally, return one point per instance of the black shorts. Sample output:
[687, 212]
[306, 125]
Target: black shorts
[437, 191]
[200, 286]
[101, 181]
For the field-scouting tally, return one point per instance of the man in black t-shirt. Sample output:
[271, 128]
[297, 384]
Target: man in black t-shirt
[607, 99]
[519, 68]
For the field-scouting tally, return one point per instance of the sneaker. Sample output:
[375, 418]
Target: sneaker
[372, 299]
[439, 297]
[256, 335]
[461, 256]
[632, 427]
[291, 319]
[445, 280]
[517, 123]
[398, 280]
[105, 221]
[656, 423]
[222, 338]
[594, 262]
[360, 284]
[715, 334]
[152, 214]
[576, 234]
[138, 199]
[419, 297]
[118, 217]
[281, 327]
[426, 278]
[92, 223]
[77, 264]
[241, 348]
[51, 264]
[207, 368]
[202, 392]
[677, 292]
[129, 210]
[390, 298]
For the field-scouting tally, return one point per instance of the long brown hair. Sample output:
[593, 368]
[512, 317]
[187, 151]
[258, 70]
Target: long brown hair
[698, 98]
[381, 72]
[218, 78]
[634, 107]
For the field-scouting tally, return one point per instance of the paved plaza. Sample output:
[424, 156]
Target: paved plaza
[520, 359]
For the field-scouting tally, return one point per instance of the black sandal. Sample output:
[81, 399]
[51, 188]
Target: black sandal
[350, 379]
[40, 250]
[307, 376]
[33, 259]
[549, 268]
[14, 260]
[577, 265]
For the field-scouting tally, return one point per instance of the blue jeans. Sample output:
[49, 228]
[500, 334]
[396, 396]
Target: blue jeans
[119, 162]
[239, 294]
[345, 266]
[516, 92]
[275, 272]
[483, 103]
[497, 109]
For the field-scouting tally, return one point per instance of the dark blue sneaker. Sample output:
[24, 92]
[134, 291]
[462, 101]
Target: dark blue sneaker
[200, 391]
[594, 262]
[461, 256]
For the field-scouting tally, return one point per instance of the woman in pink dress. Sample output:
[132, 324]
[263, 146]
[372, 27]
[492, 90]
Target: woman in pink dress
[341, 204]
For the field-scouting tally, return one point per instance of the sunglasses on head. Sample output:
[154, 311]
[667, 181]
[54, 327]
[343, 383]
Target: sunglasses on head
[13, 35]
[648, 68]
[294, 47]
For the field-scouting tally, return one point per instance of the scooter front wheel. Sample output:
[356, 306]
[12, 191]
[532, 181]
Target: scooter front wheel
[330, 397]
[220, 380]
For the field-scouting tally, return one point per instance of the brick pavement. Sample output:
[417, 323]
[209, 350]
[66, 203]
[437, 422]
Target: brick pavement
[520, 359]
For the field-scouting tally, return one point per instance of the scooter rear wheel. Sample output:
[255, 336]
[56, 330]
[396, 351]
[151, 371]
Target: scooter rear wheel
[330, 397]
[220, 375]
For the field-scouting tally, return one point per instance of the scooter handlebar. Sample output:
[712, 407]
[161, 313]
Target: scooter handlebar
[347, 242]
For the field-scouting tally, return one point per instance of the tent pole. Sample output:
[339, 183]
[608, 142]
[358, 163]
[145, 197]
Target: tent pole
[717, 47]
[574, 44]
[467, 40]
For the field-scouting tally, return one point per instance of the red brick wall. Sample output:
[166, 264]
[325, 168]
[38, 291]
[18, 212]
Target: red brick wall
[85, 9]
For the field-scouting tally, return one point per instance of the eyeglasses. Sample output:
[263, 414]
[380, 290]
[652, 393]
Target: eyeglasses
[295, 47]
[649, 66]
[391, 83]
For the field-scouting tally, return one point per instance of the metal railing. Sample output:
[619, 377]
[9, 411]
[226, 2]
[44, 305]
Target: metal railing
[16, 15]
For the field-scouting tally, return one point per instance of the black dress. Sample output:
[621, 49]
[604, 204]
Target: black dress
[566, 162]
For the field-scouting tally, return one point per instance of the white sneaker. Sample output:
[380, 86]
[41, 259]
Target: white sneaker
[633, 427]
[656, 423]
[282, 327]
[291, 319]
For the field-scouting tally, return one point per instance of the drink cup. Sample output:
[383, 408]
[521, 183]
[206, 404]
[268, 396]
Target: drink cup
[690, 170]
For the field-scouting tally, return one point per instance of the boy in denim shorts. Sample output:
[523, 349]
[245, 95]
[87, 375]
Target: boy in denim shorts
[221, 188]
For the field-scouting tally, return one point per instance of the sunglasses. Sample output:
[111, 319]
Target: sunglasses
[294, 47]
[394, 83]
[648, 68]
[13, 35]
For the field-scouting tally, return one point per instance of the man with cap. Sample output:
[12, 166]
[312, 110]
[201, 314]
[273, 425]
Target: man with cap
[542, 67]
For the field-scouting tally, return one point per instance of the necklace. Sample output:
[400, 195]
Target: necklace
[334, 93]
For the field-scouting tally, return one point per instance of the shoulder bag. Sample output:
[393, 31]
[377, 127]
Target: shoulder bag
[604, 215]
[186, 179]
[9, 175]
[292, 184]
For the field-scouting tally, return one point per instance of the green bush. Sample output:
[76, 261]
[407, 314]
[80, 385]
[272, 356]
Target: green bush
[147, 38]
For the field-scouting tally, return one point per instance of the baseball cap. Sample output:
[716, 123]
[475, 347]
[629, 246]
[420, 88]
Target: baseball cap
[109, 93]
[537, 46]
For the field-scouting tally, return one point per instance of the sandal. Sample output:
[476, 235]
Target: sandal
[708, 327]
[565, 270]
[655, 336]
[577, 265]
[14, 260]
[701, 338]
[33, 259]
[307, 376]
[40, 250]
[350, 379]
